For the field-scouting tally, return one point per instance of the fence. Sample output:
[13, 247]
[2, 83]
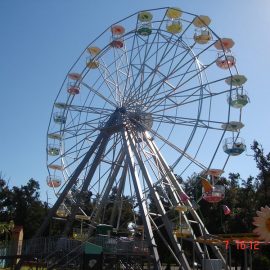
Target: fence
[121, 245]
[37, 247]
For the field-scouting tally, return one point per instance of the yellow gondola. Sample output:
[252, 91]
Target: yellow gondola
[94, 50]
[174, 13]
[62, 211]
[202, 33]
[174, 25]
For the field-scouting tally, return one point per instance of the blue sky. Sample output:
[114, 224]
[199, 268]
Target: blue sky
[40, 40]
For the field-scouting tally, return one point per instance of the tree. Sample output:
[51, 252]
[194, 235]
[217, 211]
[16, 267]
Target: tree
[6, 229]
[263, 178]
[23, 206]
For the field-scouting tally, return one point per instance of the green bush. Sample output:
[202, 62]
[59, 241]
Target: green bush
[261, 263]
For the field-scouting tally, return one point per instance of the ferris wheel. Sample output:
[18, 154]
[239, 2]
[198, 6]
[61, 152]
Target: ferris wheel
[155, 95]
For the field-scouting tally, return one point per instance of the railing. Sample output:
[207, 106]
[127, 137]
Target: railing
[116, 245]
[42, 247]
[37, 247]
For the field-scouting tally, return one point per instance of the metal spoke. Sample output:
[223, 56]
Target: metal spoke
[99, 94]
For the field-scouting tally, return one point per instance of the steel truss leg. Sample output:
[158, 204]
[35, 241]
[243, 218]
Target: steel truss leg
[141, 201]
[86, 183]
[177, 248]
[169, 178]
[164, 241]
[120, 189]
[111, 181]
[176, 190]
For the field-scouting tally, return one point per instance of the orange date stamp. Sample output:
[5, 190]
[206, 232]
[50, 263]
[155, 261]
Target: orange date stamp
[242, 245]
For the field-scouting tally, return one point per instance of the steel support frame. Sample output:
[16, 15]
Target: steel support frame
[141, 200]
[182, 261]
[169, 179]
[86, 183]
[121, 186]
[111, 181]
[177, 188]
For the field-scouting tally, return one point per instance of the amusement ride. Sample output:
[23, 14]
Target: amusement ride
[155, 99]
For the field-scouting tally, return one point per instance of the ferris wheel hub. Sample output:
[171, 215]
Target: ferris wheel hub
[122, 110]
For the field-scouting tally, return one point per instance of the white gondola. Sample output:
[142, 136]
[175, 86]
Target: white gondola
[60, 105]
[233, 126]
[59, 118]
[53, 150]
[55, 136]
[236, 80]
[234, 147]
[238, 100]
